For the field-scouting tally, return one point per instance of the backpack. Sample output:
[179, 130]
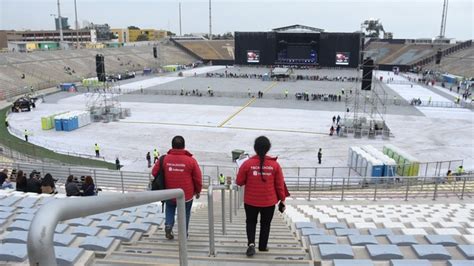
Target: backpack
[158, 182]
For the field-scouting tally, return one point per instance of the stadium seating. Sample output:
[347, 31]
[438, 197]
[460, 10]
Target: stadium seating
[210, 50]
[408, 234]
[44, 69]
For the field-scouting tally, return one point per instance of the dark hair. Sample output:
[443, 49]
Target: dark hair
[47, 180]
[88, 180]
[177, 142]
[70, 178]
[20, 178]
[262, 146]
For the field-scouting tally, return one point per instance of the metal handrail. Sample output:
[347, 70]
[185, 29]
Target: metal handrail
[40, 237]
[210, 212]
[402, 183]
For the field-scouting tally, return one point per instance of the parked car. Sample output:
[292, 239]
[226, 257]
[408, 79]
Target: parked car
[23, 104]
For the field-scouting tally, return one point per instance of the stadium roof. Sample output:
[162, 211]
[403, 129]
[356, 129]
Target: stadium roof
[298, 28]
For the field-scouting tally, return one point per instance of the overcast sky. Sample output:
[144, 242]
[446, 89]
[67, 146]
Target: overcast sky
[405, 18]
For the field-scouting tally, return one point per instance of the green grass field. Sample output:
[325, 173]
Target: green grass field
[26, 148]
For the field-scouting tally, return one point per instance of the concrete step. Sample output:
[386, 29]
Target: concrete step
[220, 251]
[126, 258]
[218, 235]
[194, 245]
[203, 240]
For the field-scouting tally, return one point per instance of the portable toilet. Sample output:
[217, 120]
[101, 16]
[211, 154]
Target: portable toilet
[66, 124]
[362, 163]
[355, 156]
[390, 167]
[45, 123]
[377, 168]
[58, 124]
[349, 158]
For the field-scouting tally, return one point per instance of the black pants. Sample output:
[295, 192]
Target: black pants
[266, 216]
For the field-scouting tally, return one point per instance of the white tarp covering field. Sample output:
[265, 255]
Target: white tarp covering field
[442, 134]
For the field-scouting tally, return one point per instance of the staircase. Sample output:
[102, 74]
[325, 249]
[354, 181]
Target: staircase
[155, 249]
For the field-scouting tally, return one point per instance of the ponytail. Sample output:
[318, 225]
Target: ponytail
[262, 159]
[262, 146]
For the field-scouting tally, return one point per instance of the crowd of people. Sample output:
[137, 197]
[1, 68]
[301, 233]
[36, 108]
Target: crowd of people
[233, 75]
[298, 77]
[36, 183]
[327, 97]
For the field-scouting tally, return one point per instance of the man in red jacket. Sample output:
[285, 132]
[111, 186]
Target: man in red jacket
[181, 171]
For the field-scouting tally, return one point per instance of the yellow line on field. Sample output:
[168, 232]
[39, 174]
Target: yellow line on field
[166, 124]
[278, 130]
[246, 105]
[228, 127]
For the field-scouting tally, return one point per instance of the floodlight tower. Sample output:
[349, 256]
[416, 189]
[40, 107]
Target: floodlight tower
[210, 21]
[61, 39]
[180, 33]
[443, 20]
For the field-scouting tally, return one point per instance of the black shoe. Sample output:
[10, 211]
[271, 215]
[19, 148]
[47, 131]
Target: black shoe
[263, 249]
[250, 250]
[169, 233]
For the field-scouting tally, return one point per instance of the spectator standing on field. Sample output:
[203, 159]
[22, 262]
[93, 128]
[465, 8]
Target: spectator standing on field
[148, 159]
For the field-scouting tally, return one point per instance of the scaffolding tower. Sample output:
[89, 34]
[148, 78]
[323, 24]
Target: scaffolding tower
[104, 105]
[366, 110]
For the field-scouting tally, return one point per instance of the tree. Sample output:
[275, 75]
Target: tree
[142, 37]
[133, 28]
[169, 33]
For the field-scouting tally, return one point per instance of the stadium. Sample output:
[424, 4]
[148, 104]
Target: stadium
[392, 119]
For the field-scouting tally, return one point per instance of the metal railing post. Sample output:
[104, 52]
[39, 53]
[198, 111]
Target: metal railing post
[121, 179]
[309, 190]
[342, 191]
[463, 187]
[298, 181]
[435, 189]
[230, 203]
[375, 189]
[332, 179]
[210, 217]
[40, 244]
[223, 210]
[406, 194]
[423, 183]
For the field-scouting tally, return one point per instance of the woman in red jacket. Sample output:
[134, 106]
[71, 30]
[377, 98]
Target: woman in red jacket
[264, 187]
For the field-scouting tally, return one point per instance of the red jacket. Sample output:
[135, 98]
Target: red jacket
[261, 193]
[181, 171]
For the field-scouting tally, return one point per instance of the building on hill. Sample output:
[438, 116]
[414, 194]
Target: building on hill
[136, 34]
[64, 23]
[84, 35]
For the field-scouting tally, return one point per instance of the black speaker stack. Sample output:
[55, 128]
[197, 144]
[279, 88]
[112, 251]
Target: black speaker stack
[100, 67]
[155, 52]
[439, 54]
[367, 69]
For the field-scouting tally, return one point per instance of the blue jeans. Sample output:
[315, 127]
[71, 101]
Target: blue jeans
[170, 212]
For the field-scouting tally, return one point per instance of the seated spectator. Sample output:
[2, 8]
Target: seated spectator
[3, 176]
[33, 184]
[72, 187]
[7, 184]
[21, 181]
[47, 184]
[88, 187]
